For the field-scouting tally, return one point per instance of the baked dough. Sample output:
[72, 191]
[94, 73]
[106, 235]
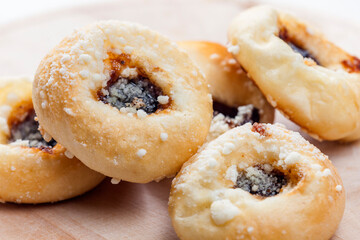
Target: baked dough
[319, 89]
[41, 173]
[258, 181]
[124, 100]
[230, 88]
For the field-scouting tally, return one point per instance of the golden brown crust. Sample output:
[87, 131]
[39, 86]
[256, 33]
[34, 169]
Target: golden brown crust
[118, 144]
[204, 204]
[34, 175]
[323, 99]
[229, 84]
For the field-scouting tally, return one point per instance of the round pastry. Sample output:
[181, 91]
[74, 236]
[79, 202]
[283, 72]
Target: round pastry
[257, 181]
[124, 100]
[309, 79]
[236, 99]
[33, 170]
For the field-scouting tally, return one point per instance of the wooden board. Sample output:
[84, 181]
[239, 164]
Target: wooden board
[139, 211]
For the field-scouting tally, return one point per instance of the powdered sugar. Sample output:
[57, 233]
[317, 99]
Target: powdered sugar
[163, 137]
[228, 148]
[232, 173]
[141, 114]
[233, 49]
[69, 111]
[223, 211]
[141, 153]
[163, 99]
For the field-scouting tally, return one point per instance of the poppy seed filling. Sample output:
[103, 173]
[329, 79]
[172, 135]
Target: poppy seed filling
[258, 181]
[284, 35]
[235, 117]
[28, 130]
[137, 93]
[302, 51]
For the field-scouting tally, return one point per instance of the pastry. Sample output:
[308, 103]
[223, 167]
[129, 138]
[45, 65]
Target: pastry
[257, 181]
[236, 99]
[124, 100]
[33, 170]
[309, 79]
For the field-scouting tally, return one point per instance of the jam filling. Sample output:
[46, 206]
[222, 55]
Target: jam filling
[235, 117]
[283, 34]
[134, 91]
[28, 130]
[260, 181]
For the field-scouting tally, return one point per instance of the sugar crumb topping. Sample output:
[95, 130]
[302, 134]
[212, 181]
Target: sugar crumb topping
[122, 40]
[250, 229]
[214, 56]
[163, 137]
[4, 126]
[292, 158]
[128, 110]
[43, 104]
[5, 111]
[69, 111]
[20, 143]
[65, 58]
[228, 148]
[141, 114]
[233, 49]
[12, 97]
[218, 126]
[316, 166]
[232, 61]
[129, 73]
[211, 162]
[163, 99]
[115, 181]
[84, 58]
[223, 211]
[338, 188]
[116, 51]
[128, 49]
[326, 172]
[84, 73]
[141, 152]
[232, 174]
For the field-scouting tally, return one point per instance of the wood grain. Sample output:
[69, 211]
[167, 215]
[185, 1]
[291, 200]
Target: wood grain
[139, 211]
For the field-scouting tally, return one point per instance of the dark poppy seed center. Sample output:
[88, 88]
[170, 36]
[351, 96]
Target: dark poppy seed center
[284, 35]
[28, 130]
[235, 117]
[260, 181]
[137, 93]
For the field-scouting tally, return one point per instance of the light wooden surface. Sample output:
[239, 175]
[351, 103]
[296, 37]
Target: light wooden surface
[139, 211]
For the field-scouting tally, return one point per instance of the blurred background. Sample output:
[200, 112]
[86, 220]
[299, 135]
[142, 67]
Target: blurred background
[29, 29]
[18, 9]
